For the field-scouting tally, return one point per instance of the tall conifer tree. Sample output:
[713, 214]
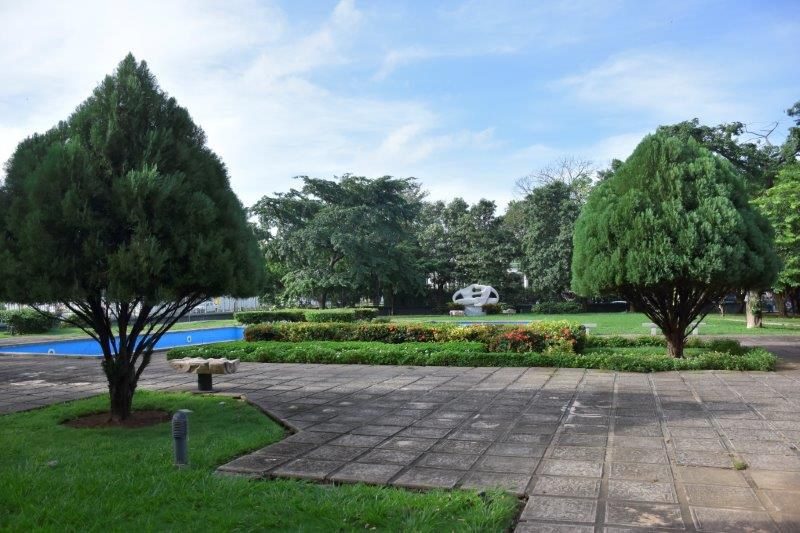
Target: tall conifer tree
[673, 231]
[124, 216]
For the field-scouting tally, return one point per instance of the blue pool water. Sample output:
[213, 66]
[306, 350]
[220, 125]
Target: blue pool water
[90, 348]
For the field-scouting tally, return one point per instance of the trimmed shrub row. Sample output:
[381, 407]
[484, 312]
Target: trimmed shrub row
[372, 353]
[306, 315]
[470, 354]
[26, 321]
[279, 315]
[536, 337]
[616, 341]
[557, 308]
[731, 346]
[756, 359]
[342, 315]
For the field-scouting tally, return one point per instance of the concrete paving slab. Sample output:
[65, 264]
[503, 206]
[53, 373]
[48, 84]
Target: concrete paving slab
[566, 486]
[375, 474]
[559, 509]
[705, 475]
[776, 480]
[559, 467]
[426, 478]
[447, 460]
[722, 496]
[307, 468]
[641, 491]
[708, 519]
[513, 465]
[645, 515]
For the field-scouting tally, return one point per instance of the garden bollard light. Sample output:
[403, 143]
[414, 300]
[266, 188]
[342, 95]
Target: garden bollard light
[180, 437]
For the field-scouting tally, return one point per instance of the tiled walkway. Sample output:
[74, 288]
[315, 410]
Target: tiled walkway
[592, 450]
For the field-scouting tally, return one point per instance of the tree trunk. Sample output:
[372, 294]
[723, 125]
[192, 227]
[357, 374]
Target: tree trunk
[753, 308]
[675, 342]
[121, 391]
[780, 303]
[376, 295]
[323, 300]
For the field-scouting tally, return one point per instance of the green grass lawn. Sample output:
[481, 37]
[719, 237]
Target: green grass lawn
[180, 326]
[53, 477]
[631, 323]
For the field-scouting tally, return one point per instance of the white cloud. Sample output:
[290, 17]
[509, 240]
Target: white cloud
[537, 154]
[244, 70]
[398, 58]
[668, 87]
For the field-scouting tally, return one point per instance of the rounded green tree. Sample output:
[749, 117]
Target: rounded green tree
[673, 232]
[781, 205]
[123, 216]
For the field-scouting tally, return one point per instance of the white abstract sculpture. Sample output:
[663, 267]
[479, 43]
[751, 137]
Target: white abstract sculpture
[474, 297]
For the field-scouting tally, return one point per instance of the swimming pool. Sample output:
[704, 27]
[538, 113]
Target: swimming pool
[90, 348]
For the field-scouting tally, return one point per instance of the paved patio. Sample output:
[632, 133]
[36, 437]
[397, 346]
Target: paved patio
[592, 450]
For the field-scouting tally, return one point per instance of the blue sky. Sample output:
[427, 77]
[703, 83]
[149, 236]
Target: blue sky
[467, 96]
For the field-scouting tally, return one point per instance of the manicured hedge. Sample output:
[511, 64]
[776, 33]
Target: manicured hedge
[278, 315]
[365, 313]
[718, 345]
[470, 354]
[557, 308]
[492, 309]
[616, 341]
[537, 337]
[371, 353]
[26, 321]
[306, 315]
[341, 315]
[619, 359]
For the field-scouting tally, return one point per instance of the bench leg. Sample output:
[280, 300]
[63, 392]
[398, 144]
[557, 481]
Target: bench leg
[204, 382]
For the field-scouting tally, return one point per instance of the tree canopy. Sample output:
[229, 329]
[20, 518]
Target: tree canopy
[781, 205]
[750, 152]
[123, 215]
[672, 230]
[545, 219]
[464, 244]
[351, 234]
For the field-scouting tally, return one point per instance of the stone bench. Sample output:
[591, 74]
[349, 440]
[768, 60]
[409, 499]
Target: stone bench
[655, 330]
[456, 312]
[204, 368]
[589, 327]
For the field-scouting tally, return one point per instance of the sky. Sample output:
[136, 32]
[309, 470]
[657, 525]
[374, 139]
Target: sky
[466, 96]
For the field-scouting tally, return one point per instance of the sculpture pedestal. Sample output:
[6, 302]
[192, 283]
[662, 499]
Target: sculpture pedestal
[472, 310]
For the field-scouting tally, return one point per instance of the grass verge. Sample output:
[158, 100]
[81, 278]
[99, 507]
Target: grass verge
[58, 478]
[631, 323]
[632, 359]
